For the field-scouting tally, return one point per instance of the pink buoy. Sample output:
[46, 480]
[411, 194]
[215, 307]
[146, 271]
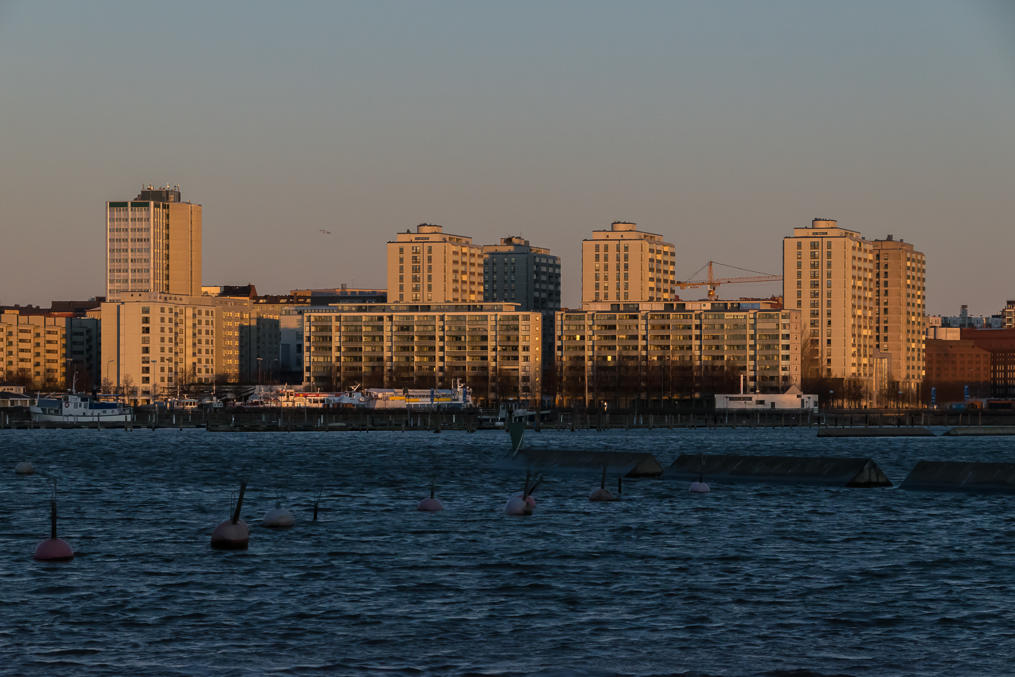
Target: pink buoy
[232, 534]
[53, 549]
[517, 505]
[430, 504]
[524, 503]
[602, 493]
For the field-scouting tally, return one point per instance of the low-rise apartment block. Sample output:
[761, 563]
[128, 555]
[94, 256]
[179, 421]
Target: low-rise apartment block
[616, 354]
[493, 348]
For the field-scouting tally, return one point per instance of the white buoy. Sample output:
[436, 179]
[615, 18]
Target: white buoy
[699, 486]
[25, 468]
[232, 534]
[278, 518]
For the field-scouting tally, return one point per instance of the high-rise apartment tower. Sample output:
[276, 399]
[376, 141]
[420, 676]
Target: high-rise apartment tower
[153, 244]
[517, 272]
[625, 264]
[431, 266]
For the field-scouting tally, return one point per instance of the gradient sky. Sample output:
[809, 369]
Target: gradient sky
[721, 125]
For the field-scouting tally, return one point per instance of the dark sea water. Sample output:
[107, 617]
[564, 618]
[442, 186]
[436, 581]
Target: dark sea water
[746, 580]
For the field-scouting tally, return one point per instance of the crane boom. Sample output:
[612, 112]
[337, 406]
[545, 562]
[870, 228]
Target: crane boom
[712, 282]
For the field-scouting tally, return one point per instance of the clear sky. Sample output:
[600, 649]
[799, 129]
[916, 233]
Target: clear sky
[720, 124]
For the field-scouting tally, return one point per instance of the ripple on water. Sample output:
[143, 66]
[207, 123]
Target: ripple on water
[750, 579]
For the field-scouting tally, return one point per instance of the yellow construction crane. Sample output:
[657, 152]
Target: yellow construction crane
[713, 282]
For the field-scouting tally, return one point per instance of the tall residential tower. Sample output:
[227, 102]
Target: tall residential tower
[625, 264]
[517, 272]
[153, 244]
[431, 266]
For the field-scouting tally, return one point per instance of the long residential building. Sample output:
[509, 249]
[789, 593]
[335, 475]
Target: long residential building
[615, 354]
[493, 348]
[33, 349]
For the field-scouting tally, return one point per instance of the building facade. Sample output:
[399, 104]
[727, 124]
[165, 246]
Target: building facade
[516, 272]
[828, 275]
[493, 348]
[155, 346]
[623, 264]
[431, 266]
[900, 326]
[33, 349]
[616, 354]
[153, 244]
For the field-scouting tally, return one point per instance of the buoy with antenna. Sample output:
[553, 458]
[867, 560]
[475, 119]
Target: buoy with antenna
[524, 503]
[431, 504]
[25, 468]
[278, 517]
[232, 534]
[602, 493]
[53, 549]
[699, 486]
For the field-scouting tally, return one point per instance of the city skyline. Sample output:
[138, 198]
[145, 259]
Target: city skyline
[721, 128]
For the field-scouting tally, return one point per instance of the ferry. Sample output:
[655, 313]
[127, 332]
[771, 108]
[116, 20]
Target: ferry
[73, 408]
[459, 397]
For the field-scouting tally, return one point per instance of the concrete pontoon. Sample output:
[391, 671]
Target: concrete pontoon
[842, 472]
[962, 476]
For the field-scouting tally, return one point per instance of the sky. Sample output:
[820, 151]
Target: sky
[721, 125]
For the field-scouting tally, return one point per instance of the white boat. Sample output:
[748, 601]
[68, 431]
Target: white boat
[72, 408]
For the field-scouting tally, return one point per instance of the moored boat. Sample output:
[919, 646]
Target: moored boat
[73, 408]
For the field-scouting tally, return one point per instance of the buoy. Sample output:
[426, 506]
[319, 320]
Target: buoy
[430, 504]
[699, 486]
[278, 518]
[524, 503]
[24, 468]
[53, 549]
[602, 493]
[232, 534]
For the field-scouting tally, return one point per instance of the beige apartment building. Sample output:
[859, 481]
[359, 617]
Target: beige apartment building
[616, 354]
[900, 330]
[156, 345]
[627, 265]
[491, 347]
[153, 244]
[431, 266]
[161, 343]
[33, 350]
[828, 275]
[862, 306]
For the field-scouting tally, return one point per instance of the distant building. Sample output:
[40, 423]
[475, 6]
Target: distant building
[862, 306]
[1008, 315]
[1000, 343]
[516, 272]
[955, 365]
[900, 310]
[616, 354]
[493, 348]
[33, 348]
[431, 266]
[627, 265]
[153, 244]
